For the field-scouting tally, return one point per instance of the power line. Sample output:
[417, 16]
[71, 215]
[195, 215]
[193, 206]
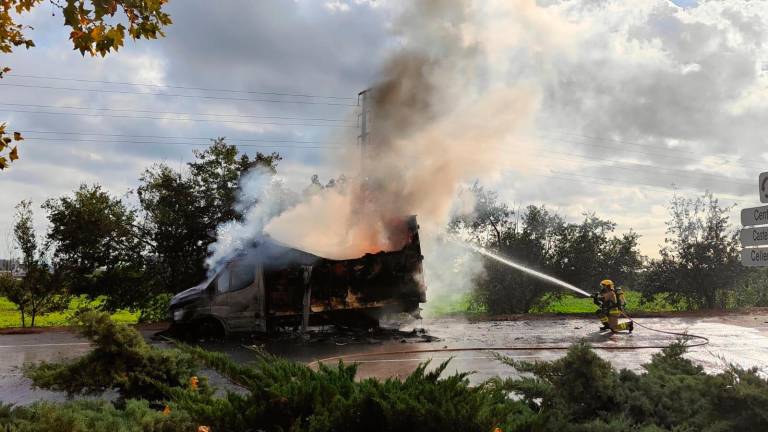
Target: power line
[166, 137]
[189, 143]
[174, 112]
[644, 168]
[16, 75]
[177, 95]
[548, 154]
[651, 186]
[175, 119]
[651, 153]
[680, 151]
[555, 131]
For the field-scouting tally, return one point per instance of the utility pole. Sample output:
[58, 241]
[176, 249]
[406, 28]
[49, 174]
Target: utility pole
[364, 140]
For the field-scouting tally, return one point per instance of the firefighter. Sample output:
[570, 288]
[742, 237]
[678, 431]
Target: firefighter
[611, 302]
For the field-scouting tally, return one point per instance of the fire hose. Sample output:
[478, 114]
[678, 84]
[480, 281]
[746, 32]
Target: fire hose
[702, 341]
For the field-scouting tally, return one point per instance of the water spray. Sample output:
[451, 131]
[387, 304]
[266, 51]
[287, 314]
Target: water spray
[520, 267]
[701, 340]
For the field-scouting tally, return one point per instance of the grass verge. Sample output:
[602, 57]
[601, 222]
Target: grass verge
[10, 317]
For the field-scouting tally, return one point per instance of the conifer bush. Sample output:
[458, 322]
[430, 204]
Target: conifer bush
[578, 392]
[277, 394]
[121, 360]
[582, 392]
[92, 416]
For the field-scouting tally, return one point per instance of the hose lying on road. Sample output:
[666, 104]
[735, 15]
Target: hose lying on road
[702, 341]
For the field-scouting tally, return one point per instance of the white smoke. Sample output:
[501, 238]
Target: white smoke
[261, 197]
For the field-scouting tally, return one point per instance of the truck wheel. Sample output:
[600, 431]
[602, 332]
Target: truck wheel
[209, 329]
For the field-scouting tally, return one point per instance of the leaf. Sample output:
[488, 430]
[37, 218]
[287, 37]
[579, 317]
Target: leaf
[3, 163]
[14, 154]
[97, 33]
[7, 140]
[17, 136]
[2, 145]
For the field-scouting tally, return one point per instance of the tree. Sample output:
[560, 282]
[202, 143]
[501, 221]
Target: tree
[40, 290]
[489, 219]
[182, 211]
[8, 152]
[581, 254]
[97, 27]
[699, 261]
[215, 177]
[174, 219]
[98, 247]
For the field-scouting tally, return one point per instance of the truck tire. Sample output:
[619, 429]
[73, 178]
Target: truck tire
[208, 329]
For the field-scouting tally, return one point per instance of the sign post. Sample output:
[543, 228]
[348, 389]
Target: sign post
[754, 235]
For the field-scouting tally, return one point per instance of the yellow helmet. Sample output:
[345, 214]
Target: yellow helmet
[606, 283]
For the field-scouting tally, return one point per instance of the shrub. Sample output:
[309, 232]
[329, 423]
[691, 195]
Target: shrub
[120, 360]
[582, 392]
[578, 392]
[283, 395]
[156, 309]
[87, 416]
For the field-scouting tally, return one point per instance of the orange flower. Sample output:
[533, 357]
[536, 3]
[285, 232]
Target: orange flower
[193, 382]
[203, 429]
[166, 410]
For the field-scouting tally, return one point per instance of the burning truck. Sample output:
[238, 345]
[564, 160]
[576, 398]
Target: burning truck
[271, 285]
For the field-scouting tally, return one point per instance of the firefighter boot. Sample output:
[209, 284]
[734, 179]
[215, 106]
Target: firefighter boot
[604, 321]
[628, 326]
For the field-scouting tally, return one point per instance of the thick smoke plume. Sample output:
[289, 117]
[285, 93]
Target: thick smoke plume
[439, 119]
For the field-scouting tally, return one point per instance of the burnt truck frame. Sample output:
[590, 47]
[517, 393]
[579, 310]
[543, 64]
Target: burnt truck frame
[272, 285]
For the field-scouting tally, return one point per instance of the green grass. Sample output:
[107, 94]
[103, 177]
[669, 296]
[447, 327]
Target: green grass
[462, 304]
[570, 304]
[451, 304]
[10, 317]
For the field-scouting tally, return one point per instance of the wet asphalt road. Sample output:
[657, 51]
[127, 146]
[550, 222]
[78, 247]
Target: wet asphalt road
[742, 341]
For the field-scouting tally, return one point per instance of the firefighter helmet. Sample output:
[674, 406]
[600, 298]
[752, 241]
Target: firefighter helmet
[607, 283]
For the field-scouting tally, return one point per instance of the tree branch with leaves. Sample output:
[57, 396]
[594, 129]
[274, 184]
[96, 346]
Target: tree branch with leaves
[97, 27]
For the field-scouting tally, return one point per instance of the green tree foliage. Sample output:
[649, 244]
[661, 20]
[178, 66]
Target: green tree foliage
[174, 220]
[277, 394]
[581, 254]
[181, 211]
[40, 290]
[97, 246]
[699, 261]
[120, 360]
[136, 256]
[582, 392]
[215, 174]
[92, 416]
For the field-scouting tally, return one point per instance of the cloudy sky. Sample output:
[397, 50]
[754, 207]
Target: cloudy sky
[633, 98]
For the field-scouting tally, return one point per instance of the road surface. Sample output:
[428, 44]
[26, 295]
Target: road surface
[740, 340]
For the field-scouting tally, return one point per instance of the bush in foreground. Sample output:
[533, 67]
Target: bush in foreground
[277, 394]
[88, 416]
[579, 392]
[582, 392]
[121, 360]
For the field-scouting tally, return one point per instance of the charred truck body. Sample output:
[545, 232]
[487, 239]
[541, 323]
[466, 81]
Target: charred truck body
[271, 284]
